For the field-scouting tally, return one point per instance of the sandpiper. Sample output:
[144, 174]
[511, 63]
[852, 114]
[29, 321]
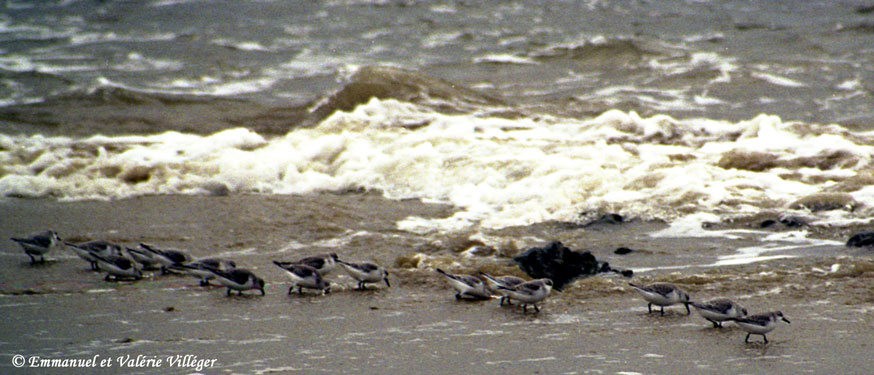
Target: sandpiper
[38, 244]
[467, 285]
[719, 310]
[304, 276]
[760, 324]
[365, 272]
[239, 279]
[144, 257]
[88, 250]
[167, 257]
[324, 263]
[662, 294]
[530, 292]
[202, 268]
[496, 283]
[118, 266]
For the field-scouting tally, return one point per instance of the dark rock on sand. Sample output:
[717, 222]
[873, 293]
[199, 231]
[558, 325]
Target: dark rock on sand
[610, 219]
[623, 251]
[793, 221]
[864, 239]
[768, 223]
[865, 9]
[788, 221]
[561, 264]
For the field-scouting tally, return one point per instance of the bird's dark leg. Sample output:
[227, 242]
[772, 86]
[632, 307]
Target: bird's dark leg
[290, 290]
[649, 307]
[457, 295]
[32, 261]
[229, 291]
[262, 292]
[537, 309]
[501, 302]
[239, 292]
[746, 340]
[715, 324]
[106, 278]
[765, 337]
[204, 282]
[360, 285]
[687, 310]
[663, 311]
[299, 290]
[524, 307]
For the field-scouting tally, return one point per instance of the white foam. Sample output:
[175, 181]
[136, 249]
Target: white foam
[499, 172]
[241, 45]
[777, 80]
[503, 59]
[850, 85]
[784, 244]
[111, 36]
[698, 61]
[441, 39]
[138, 63]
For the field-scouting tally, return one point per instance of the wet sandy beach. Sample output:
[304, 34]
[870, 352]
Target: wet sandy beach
[61, 310]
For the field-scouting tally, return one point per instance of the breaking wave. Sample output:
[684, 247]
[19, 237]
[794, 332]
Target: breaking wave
[499, 171]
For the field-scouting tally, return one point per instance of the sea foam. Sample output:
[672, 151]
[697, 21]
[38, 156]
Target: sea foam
[499, 172]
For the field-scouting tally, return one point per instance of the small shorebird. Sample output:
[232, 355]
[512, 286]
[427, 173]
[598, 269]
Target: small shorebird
[662, 294]
[365, 272]
[38, 244]
[202, 268]
[324, 263]
[530, 292]
[167, 257]
[304, 276]
[759, 324]
[719, 310]
[89, 250]
[144, 257]
[239, 279]
[467, 285]
[118, 266]
[499, 284]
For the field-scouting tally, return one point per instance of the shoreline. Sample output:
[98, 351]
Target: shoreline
[597, 325]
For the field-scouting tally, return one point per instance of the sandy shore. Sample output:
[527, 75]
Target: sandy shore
[61, 310]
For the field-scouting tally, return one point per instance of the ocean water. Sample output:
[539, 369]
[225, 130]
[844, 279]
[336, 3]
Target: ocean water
[516, 113]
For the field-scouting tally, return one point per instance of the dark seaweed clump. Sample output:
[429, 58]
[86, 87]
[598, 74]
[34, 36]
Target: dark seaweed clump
[864, 239]
[561, 264]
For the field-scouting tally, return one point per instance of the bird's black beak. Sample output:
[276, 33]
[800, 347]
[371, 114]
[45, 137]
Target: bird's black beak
[785, 320]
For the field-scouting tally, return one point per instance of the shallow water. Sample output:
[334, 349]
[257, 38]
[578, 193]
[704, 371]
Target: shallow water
[597, 325]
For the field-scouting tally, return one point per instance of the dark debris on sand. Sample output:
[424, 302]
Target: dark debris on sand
[863, 239]
[561, 264]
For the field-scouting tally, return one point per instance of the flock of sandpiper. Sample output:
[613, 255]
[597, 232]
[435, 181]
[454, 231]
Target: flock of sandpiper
[123, 262]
